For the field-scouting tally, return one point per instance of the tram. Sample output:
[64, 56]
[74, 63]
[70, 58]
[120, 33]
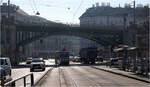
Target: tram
[62, 58]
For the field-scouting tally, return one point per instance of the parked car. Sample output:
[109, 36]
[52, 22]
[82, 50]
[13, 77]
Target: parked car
[117, 62]
[99, 58]
[5, 69]
[76, 59]
[114, 61]
[29, 60]
[37, 63]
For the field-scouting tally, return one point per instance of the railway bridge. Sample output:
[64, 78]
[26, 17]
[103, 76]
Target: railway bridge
[16, 35]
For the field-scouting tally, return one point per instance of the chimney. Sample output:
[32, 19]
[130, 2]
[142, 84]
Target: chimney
[93, 6]
[97, 4]
[127, 5]
[108, 4]
[4, 4]
[103, 4]
[119, 6]
[139, 5]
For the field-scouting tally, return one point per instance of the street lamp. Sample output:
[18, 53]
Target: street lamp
[134, 20]
[8, 30]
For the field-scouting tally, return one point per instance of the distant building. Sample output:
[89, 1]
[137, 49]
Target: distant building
[105, 15]
[22, 17]
[15, 11]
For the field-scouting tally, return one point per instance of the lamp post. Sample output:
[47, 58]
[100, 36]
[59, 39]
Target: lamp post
[134, 11]
[8, 30]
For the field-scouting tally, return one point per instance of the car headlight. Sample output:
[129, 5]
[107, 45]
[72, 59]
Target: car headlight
[1, 68]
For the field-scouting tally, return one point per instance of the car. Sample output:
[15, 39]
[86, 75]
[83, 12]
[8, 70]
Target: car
[76, 59]
[5, 69]
[71, 58]
[37, 63]
[99, 58]
[114, 61]
[29, 60]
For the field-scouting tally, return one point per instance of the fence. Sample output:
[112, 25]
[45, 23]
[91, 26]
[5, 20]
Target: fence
[13, 82]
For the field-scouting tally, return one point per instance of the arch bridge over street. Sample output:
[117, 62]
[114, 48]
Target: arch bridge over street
[104, 36]
[23, 34]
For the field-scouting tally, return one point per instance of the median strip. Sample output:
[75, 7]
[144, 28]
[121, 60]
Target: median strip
[42, 76]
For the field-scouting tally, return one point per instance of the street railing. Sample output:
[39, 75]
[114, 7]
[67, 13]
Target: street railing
[13, 82]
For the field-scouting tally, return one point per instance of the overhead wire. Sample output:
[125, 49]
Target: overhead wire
[1, 2]
[31, 6]
[77, 9]
[35, 5]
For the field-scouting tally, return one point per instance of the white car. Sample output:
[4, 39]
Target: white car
[5, 69]
[37, 63]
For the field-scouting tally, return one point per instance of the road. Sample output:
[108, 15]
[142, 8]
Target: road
[77, 75]
[22, 71]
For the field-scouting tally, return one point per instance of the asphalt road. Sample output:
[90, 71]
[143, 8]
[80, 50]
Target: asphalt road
[77, 75]
[22, 71]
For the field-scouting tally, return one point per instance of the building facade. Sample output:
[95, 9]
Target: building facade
[107, 16]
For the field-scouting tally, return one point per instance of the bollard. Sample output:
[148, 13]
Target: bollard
[24, 81]
[32, 80]
[2, 82]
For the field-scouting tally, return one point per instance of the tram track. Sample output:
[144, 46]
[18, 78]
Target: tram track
[66, 77]
[90, 80]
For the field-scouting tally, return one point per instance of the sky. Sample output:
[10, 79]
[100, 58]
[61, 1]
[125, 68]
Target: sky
[65, 11]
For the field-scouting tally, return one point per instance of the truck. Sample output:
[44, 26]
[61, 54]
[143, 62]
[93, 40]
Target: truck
[88, 55]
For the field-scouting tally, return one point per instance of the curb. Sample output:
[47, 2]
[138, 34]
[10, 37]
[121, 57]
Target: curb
[122, 74]
[42, 76]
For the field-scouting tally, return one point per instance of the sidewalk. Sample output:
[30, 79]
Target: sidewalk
[124, 73]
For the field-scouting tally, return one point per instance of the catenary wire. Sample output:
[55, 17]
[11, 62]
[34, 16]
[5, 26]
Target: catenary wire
[77, 9]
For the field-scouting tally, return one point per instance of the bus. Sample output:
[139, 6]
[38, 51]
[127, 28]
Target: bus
[62, 58]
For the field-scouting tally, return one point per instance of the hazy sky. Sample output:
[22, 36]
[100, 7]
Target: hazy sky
[66, 11]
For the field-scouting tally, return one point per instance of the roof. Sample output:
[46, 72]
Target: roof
[111, 11]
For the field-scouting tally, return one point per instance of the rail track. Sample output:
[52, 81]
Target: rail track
[65, 77]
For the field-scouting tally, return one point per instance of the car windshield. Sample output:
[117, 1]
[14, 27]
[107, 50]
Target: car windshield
[2, 61]
[29, 58]
[37, 60]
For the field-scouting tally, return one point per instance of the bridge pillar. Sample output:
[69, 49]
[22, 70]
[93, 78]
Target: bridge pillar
[10, 44]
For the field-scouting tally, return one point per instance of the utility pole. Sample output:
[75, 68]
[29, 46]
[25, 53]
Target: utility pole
[134, 11]
[8, 29]
[125, 30]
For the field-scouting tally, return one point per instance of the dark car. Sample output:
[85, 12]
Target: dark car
[29, 60]
[116, 62]
[5, 69]
[37, 63]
